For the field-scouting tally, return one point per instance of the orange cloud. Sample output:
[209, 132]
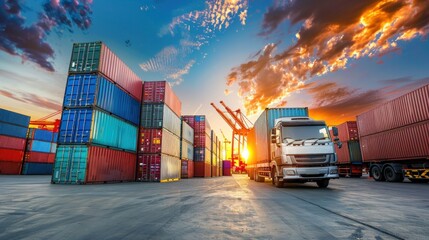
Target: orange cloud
[326, 42]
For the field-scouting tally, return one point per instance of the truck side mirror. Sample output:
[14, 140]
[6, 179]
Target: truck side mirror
[340, 144]
[273, 136]
[335, 131]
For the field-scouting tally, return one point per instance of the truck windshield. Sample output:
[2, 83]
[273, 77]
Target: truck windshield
[304, 132]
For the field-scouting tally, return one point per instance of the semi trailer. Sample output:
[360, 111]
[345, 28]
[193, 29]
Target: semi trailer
[287, 146]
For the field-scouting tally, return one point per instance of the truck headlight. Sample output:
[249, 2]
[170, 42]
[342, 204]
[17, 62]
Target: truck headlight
[290, 172]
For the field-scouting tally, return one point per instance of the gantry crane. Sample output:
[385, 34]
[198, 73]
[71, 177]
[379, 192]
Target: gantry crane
[240, 126]
[225, 142]
[43, 123]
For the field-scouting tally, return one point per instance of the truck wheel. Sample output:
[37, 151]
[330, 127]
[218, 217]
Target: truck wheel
[377, 174]
[257, 177]
[323, 183]
[391, 175]
[275, 178]
[251, 174]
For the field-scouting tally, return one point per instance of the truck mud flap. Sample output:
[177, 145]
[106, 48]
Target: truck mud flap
[417, 173]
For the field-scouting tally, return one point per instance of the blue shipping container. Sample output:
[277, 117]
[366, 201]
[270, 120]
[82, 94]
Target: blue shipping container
[55, 138]
[85, 90]
[38, 146]
[40, 134]
[14, 118]
[70, 164]
[80, 126]
[12, 130]
[37, 169]
[274, 113]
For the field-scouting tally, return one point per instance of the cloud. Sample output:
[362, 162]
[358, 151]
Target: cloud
[327, 40]
[29, 41]
[32, 99]
[177, 76]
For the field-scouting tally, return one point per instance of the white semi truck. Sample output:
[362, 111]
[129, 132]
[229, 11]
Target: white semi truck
[289, 147]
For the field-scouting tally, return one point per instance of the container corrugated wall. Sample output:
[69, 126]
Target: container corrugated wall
[161, 92]
[158, 168]
[156, 115]
[12, 142]
[81, 126]
[187, 132]
[97, 57]
[40, 134]
[408, 142]
[37, 168]
[408, 109]
[87, 90]
[8, 129]
[265, 123]
[14, 118]
[187, 169]
[186, 151]
[77, 164]
[348, 131]
[38, 146]
[159, 141]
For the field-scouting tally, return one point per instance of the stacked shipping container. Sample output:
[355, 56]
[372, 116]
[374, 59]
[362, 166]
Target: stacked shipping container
[396, 130]
[202, 144]
[13, 131]
[159, 136]
[349, 155]
[99, 124]
[187, 150]
[40, 152]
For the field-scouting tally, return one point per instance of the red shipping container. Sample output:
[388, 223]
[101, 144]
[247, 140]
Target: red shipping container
[409, 142]
[202, 140]
[161, 92]
[10, 167]
[348, 131]
[39, 157]
[215, 171]
[107, 165]
[202, 169]
[158, 168]
[408, 109]
[11, 155]
[343, 155]
[226, 167]
[159, 141]
[12, 142]
[187, 169]
[120, 73]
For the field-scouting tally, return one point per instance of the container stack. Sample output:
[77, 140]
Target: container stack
[202, 144]
[219, 159]
[159, 136]
[40, 152]
[13, 132]
[99, 124]
[397, 130]
[215, 154]
[187, 150]
[349, 155]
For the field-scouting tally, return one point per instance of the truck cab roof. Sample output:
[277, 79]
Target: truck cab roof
[298, 121]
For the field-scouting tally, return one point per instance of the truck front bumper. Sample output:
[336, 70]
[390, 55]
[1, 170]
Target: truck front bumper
[310, 173]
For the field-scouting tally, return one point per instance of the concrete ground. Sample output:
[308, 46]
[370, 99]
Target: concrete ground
[219, 208]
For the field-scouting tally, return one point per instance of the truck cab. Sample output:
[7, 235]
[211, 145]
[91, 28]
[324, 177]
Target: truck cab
[302, 150]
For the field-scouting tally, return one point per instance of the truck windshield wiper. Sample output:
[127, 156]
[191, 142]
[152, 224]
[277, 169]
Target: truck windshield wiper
[293, 142]
[318, 140]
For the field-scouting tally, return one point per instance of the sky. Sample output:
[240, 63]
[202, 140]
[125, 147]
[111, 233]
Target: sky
[338, 58]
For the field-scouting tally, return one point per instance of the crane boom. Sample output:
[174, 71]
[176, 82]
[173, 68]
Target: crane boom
[227, 120]
[237, 120]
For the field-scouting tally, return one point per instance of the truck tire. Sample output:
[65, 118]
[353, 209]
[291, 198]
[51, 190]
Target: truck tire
[251, 174]
[391, 176]
[376, 173]
[257, 177]
[323, 183]
[275, 179]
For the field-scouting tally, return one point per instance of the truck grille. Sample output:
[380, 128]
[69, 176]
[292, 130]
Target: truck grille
[312, 159]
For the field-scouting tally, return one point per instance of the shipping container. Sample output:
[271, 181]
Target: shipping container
[14, 118]
[80, 164]
[13, 168]
[186, 151]
[89, 90]
[39, 157]
[161, 92]
[405, 143]
[348, 131]
[55, 138]
[202, 155]
[12, 142]
[37, 169]
[11, 155]
[202, 169]
[187, 169]
[12, 130]
[187, 132]
[40, 134]
[226, 167]
[199, 123]
[202, 140]
[158, 168]
[96, 57]
[158, 115]
[355, 153]
[53, 147]
[408, 109]
[81, 126]
[260, 136]
[159, 141]
[38, 146]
